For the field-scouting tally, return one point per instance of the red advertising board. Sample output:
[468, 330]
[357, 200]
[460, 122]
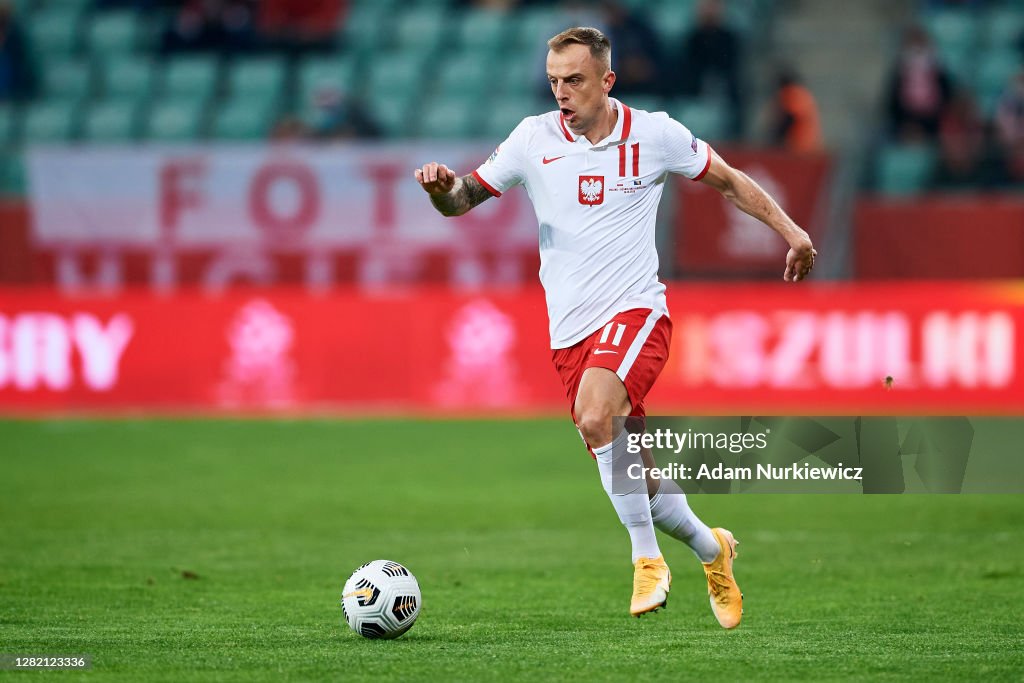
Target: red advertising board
[940, 237]
[948, 349]
[15, 252]
[715, 238]
[812, 349]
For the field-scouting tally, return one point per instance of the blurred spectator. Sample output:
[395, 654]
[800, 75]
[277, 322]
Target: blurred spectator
[919, 90]
[1009, 124]
[962, 145]
[16, 77]
[710, 60]
[300, 24]
[221, 25]
[635, 51]
[289, 128]
[795, 123]
[337, 116]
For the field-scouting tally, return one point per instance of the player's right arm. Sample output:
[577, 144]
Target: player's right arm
[450, 195]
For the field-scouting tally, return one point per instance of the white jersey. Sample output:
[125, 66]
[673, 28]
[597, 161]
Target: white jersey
[596, 207]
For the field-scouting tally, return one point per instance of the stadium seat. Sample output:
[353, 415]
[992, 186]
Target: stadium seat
[531, 27]
[361, 31]
[953, 29]
[960, 60]
[395, 73]
[191, 76]
[483, 30]
[12, 172]
[53, 32]
[244, 118]
[264, 76]
[523, 75]
[705, 118]
[465, 73]
[66, 79]
[114, 121]
[1004, 26]
[8, 124]
[672, 21]
[450, 117]
[113, 33]
[741, 15]
[687, 7]
[175, 120]
[49, 121]
[126, 78]
[315, 73]
[395, 114]
[995, 69]
[904, 169]
[645, 102]
[77, 5]
[421, 28]
[636, 5]
[506, 113]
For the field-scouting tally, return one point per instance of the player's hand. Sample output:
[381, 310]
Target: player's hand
[435, 178]
[799, 261]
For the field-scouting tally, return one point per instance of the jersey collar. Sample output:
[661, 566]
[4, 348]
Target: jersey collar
[619, 134]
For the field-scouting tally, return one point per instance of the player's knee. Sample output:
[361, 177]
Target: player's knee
[595, 424]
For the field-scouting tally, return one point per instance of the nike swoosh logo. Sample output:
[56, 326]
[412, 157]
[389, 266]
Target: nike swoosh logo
[545, 160]
[598, 352]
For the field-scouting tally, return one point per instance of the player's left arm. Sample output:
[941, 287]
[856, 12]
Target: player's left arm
[749, 197]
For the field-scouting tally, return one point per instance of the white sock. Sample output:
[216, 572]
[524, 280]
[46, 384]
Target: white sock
[672, 514]
[629, 498]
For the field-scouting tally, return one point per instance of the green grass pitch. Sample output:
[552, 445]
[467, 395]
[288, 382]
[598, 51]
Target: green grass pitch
[523, 565]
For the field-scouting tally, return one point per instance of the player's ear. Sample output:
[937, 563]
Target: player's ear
[608, 81]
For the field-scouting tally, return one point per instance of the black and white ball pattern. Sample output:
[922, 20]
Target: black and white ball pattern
[381, 600]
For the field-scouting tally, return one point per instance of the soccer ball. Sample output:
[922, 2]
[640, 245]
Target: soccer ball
[381, 600]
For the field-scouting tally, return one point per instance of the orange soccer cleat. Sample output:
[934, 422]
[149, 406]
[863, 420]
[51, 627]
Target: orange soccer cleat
[724, 594]
[651, 582]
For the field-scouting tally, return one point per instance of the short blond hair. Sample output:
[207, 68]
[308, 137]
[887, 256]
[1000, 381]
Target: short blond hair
[600, 46]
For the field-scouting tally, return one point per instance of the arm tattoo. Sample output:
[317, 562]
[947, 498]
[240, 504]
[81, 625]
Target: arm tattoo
[467, 193]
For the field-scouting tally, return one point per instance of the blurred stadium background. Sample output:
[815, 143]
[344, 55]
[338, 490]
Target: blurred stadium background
[208, 209]
[209, 205]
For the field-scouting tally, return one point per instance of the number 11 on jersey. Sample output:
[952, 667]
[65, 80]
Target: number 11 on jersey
[635, 149]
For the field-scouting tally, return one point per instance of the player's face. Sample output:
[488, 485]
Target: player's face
[580, 85]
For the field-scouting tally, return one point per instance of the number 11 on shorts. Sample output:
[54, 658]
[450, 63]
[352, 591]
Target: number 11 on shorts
[619, 331]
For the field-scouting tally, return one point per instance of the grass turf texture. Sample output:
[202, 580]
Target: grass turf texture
[523, 565]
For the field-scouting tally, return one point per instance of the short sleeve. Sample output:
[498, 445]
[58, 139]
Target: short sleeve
[685, 153]
[504, 169]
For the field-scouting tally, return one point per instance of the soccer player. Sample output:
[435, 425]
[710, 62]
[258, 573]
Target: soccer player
[594, 170]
